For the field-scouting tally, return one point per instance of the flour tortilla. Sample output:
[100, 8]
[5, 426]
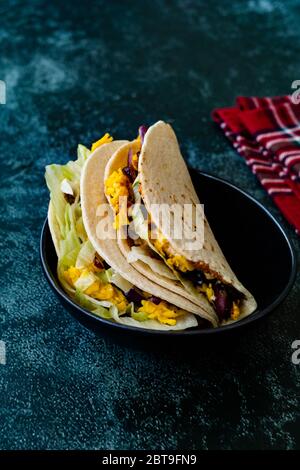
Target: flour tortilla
[119, 160]
[164, 177]
[92, 196]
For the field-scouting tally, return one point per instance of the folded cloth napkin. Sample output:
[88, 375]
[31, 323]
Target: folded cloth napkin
[266, 132]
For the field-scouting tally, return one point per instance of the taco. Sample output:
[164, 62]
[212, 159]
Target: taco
[93, 271]
[150, 171]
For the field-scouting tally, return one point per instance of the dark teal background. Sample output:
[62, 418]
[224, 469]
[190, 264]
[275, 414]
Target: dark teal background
[75, 70]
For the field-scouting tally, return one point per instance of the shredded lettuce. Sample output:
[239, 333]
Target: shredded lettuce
[139, 222]
[80, 227]
[86, 255]
[102, 312]
[75, 250]
[109, 273]
[85, 280]
[66, 187]
[54, 176]
[102, 276]
[83, 154]
[83, 300]
[87, 302]
[120, 282]
[139, 316]
[188, 285]
[185, 321]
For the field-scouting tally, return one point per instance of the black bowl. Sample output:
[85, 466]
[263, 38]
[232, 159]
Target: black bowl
[253, 242]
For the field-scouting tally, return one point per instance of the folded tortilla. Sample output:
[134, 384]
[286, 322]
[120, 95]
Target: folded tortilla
[106, 244]
[156, 175]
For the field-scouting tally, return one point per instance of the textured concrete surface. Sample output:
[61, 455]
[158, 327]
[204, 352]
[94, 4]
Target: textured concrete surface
[73, 71]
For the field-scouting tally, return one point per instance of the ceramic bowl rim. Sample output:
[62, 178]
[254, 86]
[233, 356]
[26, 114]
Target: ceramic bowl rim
[258, 314]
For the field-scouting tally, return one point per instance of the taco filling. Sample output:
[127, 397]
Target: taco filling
[195, 277]
[83, 274]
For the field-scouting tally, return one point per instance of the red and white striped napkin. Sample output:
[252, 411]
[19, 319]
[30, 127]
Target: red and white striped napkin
[266, 132]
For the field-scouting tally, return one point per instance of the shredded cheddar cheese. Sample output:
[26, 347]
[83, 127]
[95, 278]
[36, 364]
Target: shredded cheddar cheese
[162, 312]
[235, 311]
[175, 260]
[98, 290]
[104, 140]
[208, 291]
[117, 186]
